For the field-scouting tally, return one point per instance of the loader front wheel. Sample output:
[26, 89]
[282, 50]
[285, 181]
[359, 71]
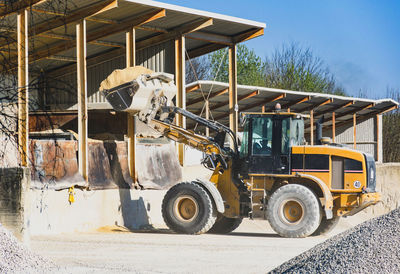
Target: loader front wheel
[326, 226]
[187, 208]
[225, 225]
[294, 211]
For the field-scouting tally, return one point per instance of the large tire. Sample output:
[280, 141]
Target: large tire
[225, 225]
[294, 211]
[326, 226]
[187, 208]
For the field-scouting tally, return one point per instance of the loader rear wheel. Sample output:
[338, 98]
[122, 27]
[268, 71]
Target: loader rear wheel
[225, 225]
[326, 226]
[187, 208]
[294, 211]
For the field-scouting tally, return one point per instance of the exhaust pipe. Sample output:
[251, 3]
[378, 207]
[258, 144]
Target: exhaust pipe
[319, 131]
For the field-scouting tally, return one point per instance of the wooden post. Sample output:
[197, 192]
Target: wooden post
[354, 131]
[207, 117]
[333, 126]
[263, 109]
[22, 47]
[131, 121]
[181, 93]
[82, 95]
[312, 127]
[233, 100]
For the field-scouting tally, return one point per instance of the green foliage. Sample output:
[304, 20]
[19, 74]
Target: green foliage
[295, 68]
[391, 131]
[289, 67]
[250, 67]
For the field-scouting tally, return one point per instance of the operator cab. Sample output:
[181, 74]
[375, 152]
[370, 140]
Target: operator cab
[267, 141]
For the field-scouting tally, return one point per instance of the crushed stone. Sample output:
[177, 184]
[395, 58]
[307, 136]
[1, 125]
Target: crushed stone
[15, 258]
[370, 247]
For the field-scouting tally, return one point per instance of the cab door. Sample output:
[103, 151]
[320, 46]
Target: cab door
[268, 144]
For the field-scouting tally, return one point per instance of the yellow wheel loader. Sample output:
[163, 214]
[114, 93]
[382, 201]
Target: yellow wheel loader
[301, 190]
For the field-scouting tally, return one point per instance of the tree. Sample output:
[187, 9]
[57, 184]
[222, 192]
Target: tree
[295, 68]
[9, 88]
[197, 69]
[250, 67]
[391, 131]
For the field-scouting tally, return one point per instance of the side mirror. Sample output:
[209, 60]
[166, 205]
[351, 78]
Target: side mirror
[242, 120]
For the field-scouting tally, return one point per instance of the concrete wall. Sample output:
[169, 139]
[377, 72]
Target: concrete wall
[388, 184]
[14, 201]
[135, 209]
[48, 211]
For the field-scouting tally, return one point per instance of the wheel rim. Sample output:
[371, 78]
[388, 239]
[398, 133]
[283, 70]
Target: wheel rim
[186, 208]
[291, 211]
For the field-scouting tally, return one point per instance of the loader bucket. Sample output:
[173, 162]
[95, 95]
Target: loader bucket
[138, 90]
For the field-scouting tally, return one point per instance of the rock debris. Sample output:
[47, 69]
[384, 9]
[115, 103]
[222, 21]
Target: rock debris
[371, 247]
[15, 258]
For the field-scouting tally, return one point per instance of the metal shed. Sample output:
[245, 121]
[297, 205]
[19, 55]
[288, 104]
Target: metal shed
[355, 122]
[71, 46]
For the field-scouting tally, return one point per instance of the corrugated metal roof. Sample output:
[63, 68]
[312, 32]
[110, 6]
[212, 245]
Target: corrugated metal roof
[176, 16]
[253, 98]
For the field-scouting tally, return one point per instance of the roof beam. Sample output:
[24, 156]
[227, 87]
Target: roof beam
[204, 49]
[263, 102]
[212, 95]
[91, 61]
[61, 58]
[314, 106]
[338, 115]
[248, 35]
[136, 21]
[66, 19]
[335, 108]
[101, 20]
[350, 112]
[364, 117]
[211, 38]
[302, 100]
[195, 87]
[240, 98]
[72, 38]
[12, 7]
[176, 32]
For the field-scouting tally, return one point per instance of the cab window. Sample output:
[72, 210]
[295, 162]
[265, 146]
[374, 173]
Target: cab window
[262, 136]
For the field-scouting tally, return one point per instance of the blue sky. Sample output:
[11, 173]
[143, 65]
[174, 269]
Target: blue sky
[359, 40]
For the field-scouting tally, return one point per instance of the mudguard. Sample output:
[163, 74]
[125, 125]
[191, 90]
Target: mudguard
[210, 188]
[328, 203]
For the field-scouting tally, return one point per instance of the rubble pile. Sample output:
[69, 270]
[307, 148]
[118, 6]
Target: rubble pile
[15, 258]
[371, 247]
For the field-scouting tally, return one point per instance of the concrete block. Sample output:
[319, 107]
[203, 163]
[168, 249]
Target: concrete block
[14, 196]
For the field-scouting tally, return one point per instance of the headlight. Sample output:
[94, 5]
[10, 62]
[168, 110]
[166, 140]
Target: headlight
[371, 173]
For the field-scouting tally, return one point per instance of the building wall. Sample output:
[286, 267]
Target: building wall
[62, 90]
[366, 139]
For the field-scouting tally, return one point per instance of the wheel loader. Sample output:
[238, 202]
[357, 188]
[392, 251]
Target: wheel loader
[301, 190]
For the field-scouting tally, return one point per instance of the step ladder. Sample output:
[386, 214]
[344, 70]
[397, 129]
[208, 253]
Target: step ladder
[258, 198]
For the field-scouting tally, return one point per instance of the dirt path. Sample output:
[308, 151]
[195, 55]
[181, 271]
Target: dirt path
[252, 248]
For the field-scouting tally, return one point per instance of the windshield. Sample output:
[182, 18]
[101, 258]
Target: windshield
[297, 132]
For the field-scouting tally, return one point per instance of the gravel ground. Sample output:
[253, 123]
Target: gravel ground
[371, 247]
[15, 258]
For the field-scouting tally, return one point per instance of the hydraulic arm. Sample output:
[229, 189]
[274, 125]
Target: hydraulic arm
[149, 96]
